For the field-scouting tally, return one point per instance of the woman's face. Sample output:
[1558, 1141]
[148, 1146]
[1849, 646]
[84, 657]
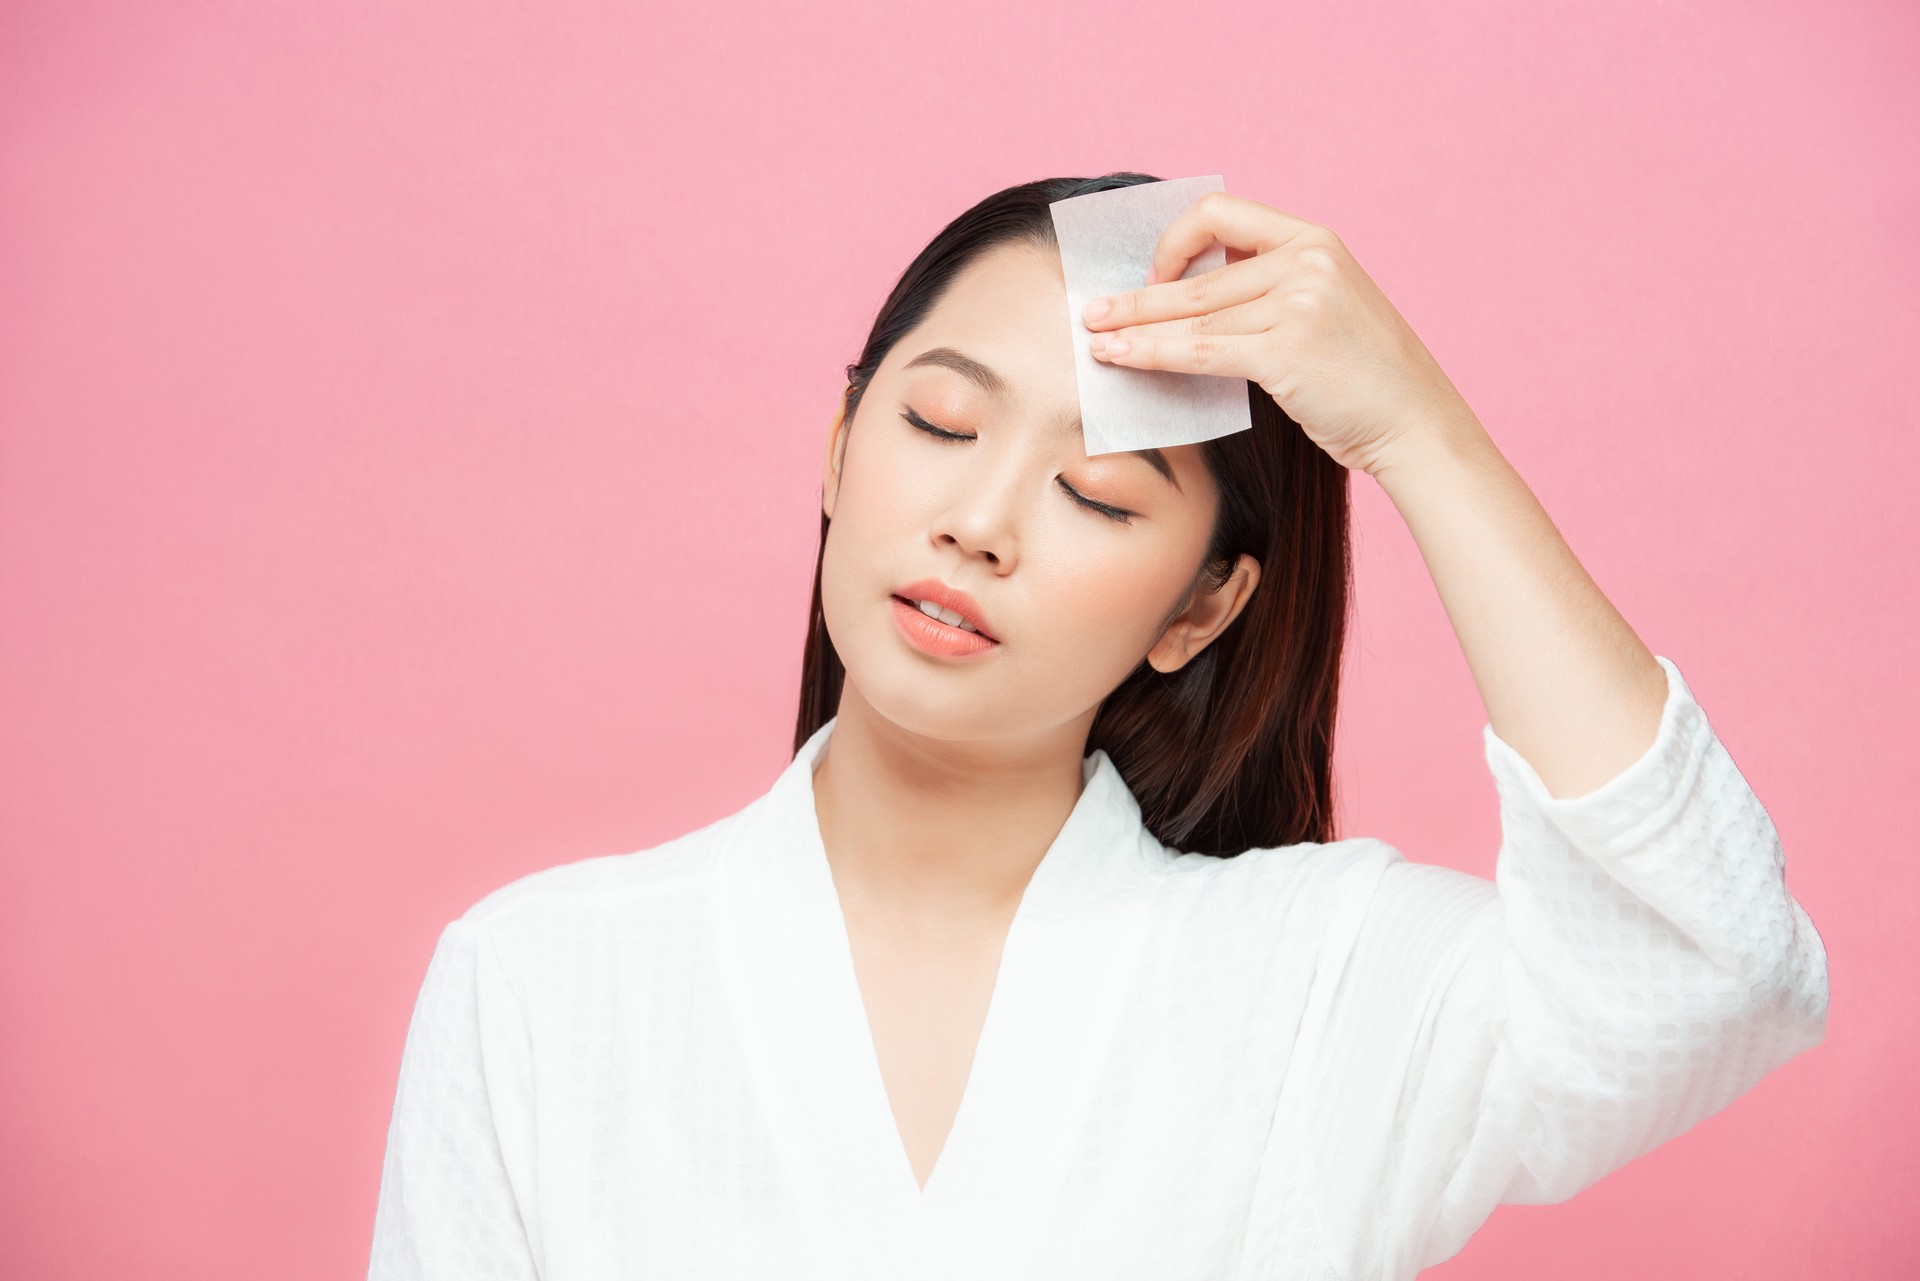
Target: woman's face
[1080, 567]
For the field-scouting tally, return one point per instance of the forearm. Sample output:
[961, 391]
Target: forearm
[1564, 679]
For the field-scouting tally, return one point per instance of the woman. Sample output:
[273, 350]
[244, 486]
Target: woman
[1041, 957]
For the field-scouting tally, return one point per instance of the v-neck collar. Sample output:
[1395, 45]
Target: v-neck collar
[1065, 966]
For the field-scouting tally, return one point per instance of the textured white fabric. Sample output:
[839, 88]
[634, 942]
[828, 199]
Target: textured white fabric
[1315, 1061]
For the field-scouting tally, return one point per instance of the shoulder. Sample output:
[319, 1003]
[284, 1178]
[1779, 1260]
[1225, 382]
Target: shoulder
[1292, 868]
[1428, 915]
[1260, 886]
[1366, 871]
[608, 887]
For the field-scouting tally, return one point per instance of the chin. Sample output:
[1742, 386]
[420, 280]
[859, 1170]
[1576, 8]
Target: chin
[931, 704]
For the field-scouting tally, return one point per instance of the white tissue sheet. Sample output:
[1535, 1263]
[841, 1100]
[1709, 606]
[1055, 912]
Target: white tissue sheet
[1107, 240]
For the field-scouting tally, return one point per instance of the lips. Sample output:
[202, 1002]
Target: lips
[932, 589]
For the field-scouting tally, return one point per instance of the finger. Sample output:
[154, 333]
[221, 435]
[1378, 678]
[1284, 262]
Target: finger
[1251, 317]
[1226, 355]
[1235, 221]
[1209, 291]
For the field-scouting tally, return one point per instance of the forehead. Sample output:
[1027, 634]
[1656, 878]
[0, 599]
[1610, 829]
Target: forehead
[1008, 309]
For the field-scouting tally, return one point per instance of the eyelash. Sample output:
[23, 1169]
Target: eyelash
[1118, 514]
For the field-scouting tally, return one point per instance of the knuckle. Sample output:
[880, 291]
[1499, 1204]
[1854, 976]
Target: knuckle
[1318, 257]
[1206, 351]
[1303, 302]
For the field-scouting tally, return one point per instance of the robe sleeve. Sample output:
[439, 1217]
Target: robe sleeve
[1635, 965]
[449, 1206]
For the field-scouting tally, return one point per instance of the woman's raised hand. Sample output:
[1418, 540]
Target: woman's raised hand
[1292, 311]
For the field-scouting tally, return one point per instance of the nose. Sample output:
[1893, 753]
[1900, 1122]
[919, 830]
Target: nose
[984, 512]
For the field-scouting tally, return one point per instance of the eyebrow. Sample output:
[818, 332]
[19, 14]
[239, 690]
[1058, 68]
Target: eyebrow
[993, 384]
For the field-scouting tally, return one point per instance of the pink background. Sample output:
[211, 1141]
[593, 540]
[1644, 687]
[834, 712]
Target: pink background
[410, 422]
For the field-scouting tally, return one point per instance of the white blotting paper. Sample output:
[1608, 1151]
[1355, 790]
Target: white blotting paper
[1107, 240]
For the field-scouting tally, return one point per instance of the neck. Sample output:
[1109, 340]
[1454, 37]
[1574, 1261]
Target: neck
[924, 830]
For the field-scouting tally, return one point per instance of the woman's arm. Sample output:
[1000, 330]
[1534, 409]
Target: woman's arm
[1565, 680]
[1638, 962]
[1636, 965]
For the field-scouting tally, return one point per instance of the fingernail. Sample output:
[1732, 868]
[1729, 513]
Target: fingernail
[1098, 308]
[1118, 347]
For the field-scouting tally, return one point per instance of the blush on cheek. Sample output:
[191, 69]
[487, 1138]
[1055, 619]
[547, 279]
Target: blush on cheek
[1138, 609]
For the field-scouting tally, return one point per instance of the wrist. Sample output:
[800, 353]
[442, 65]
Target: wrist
[1431, 445]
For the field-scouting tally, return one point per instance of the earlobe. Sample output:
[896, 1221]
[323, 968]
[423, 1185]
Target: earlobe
[1175, 647]
[1169, 654]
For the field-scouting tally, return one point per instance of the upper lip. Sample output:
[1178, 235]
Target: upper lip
[949, 598]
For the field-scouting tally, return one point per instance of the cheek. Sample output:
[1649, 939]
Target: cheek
[881, 484]
[1108, 607]
[877, 500]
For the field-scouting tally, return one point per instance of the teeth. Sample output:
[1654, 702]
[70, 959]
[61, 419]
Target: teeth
[950, 617]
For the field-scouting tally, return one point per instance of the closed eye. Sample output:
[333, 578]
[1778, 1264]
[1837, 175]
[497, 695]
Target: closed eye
[936, 432]
[1119, 514]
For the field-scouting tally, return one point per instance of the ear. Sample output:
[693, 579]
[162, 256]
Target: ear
[1205, 617]
[836, 453]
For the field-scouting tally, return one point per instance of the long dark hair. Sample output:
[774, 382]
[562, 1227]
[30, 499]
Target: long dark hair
[1234, 750]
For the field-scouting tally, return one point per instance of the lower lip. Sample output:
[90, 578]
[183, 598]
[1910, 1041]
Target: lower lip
[932, 636]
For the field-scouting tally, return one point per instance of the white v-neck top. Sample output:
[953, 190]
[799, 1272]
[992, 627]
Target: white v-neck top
[1313, 1061]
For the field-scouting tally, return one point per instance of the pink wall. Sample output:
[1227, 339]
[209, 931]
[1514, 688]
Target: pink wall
[410, 422]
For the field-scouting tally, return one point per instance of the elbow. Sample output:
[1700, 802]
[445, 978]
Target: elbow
[1786, 994]
[1802, 989]
[1782, 968]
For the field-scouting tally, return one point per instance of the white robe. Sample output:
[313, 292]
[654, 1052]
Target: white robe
[1311, 1061]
